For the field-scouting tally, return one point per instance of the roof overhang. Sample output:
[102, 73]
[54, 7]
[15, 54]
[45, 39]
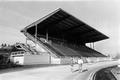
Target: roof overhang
[62, 25]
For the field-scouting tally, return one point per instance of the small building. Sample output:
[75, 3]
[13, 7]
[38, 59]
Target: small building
[17, 55]
[23, 54]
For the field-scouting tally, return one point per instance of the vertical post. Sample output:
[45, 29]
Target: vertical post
[26, 38]
[93, 45]
[26, 41]
[60, 59]
[49, 58]
[35, 35]
[47, 34]
[90, 45]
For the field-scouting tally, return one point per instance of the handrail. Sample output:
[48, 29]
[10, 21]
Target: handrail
[54, 49]
[40, 43]
[24, 47]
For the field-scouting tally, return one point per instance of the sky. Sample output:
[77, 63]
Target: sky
[100, 14]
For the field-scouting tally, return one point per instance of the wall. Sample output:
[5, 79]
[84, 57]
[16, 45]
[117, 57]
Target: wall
[66, 60]
[36, 59]
[55, 60]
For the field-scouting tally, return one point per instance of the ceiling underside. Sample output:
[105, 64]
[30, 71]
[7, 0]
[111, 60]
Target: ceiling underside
[62, 25]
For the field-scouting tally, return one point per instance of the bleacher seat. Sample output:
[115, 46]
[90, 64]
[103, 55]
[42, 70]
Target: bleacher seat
[69, 50]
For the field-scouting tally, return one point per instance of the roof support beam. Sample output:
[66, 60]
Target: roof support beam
[78, 34]
[63, 25]
[72, 28]
[59, 20]
[88, 33]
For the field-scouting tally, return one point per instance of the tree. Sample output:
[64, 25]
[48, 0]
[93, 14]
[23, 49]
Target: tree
[3, 45]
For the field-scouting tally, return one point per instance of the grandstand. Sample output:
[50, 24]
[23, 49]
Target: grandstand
[63, 35]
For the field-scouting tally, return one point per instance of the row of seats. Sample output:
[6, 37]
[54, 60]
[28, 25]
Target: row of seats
[53, 49]
[66, 51]
[70, 50]
[86, 51]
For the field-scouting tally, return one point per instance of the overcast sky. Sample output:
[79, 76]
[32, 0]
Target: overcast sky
[101, 15]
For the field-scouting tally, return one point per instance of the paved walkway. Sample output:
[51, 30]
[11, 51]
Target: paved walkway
[56, 72]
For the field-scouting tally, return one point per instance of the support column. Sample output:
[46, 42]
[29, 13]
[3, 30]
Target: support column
[90, 45]
[47, 35]
[49, 58]
[35, 35]
[26, 41]
[93, 45]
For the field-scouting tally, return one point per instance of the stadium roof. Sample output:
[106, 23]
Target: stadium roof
[62, 25]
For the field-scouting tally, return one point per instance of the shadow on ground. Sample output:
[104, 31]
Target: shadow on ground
[105, 74]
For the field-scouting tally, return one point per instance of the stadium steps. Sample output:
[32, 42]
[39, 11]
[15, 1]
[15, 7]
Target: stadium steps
[40, 43]
[26, 48]
[94, 52]
[53, 49]
[66, 50]
[80, 50]
[86, 51]
[61, 50]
